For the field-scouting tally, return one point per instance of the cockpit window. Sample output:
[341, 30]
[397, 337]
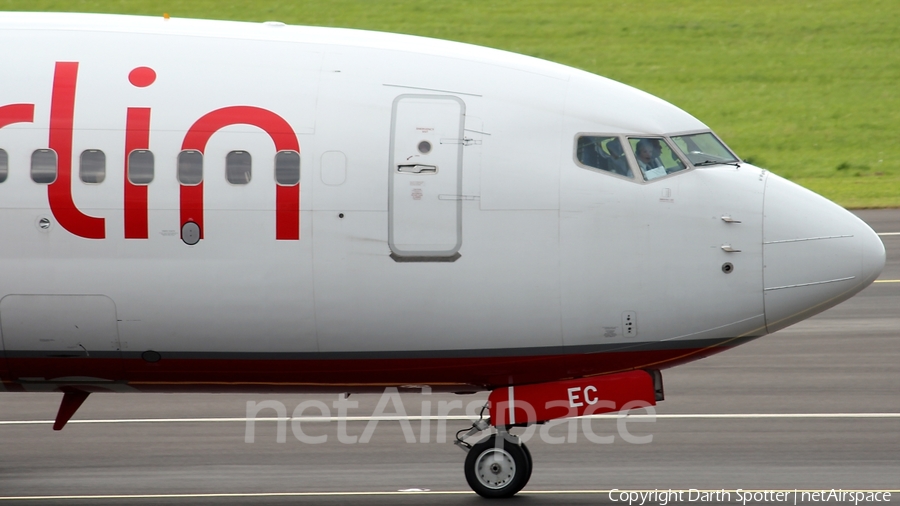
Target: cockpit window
[654, 157]
[704, 149]
[604, 153]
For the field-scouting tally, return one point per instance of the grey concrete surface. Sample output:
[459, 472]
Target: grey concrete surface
[846, 360]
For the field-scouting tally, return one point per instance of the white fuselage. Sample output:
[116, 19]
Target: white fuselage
[492, 241]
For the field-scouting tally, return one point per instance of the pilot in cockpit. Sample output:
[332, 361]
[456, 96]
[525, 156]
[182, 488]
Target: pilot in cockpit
[650, 165]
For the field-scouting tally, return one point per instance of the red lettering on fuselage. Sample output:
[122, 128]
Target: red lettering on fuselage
[287, 198]
[16, 113]
[59, 192]
[137, 137]
[142, 77]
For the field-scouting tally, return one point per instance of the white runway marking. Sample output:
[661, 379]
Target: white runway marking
[689, 416]
[398, 493]
[889, 233]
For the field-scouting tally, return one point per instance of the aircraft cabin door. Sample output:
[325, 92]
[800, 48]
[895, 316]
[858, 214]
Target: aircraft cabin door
[425, 183]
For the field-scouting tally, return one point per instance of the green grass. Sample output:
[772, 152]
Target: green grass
[808, 90]
[856, 193]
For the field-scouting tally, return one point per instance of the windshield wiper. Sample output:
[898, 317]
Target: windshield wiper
[716, 162]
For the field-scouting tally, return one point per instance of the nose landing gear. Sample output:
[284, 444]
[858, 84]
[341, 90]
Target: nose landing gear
[499, 465]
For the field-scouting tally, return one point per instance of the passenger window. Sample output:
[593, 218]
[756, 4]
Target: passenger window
[43, 166]
[655, 158]
[190, 167]
[4, 165]
[238, 166]
[604, 153]
[93, 166]
[140, 167]
[287, 168]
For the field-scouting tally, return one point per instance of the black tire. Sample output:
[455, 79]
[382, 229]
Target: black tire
[530, 464]
[497, 472]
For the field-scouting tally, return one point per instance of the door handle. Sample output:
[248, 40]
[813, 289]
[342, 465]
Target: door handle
[417, 169]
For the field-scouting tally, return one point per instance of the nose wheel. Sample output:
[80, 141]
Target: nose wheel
[498, 466]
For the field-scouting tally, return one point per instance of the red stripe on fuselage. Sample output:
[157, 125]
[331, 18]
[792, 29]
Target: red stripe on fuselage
[222, 375]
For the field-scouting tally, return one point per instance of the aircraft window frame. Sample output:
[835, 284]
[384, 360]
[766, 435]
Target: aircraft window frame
[677, 155]
[93, 172]
[4, 165]
[285, 176]
[190, 167]
[629, 163]
[40, 174]
[139, 172]
[237, 173]
[686, 156]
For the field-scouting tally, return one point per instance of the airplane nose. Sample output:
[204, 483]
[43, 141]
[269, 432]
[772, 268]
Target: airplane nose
[816, 254]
